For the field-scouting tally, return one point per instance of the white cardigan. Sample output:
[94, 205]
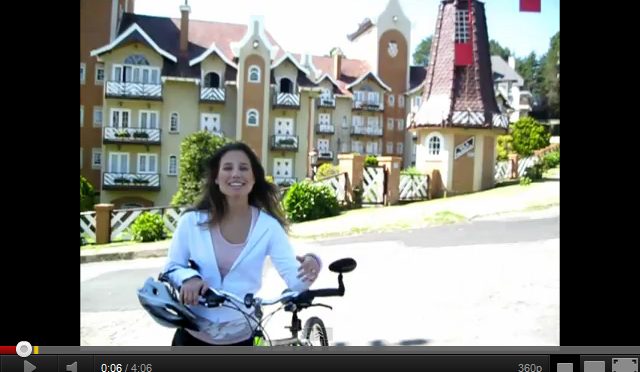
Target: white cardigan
[192, 241]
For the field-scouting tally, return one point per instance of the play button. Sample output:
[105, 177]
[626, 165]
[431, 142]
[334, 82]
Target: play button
[28, 367]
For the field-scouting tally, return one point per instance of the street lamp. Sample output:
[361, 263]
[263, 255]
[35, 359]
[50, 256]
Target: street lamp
[313, 161]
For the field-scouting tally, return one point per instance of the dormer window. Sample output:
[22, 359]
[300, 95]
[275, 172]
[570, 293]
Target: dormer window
[286, 86]
[136, 69]
[212, 80]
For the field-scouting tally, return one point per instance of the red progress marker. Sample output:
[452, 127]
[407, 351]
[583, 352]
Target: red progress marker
[4, 350]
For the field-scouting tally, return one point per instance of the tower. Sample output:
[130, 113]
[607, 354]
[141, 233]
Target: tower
[459, 119]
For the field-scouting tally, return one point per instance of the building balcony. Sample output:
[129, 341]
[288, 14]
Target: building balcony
[146, 91]
[326, 102]
[284, 181]
[325, 155]
[325, 129]
[368, 105]
[131, 181]
[131, 135]
[284, 142]
[286, 100]
[367, 131]
[209, 95]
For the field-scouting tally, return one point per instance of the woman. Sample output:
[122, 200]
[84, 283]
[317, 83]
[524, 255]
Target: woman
[227, 236]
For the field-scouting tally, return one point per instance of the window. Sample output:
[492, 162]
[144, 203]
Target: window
[324, 119]
[373, 98]
[399, 148]
[147, 163]
[81, 115]
[148, 119]
[389, 124]
[120, 118]
[434, 144]
[174, 123]
[391, 100]
[282, 168]
[357, 121]
[96, 158]
[356, 146]
[118, 162]
[173, 165]
[344, 147]
[97, 116]
[83, 72]
[372, 148]
[99, 75]
[462, 26]
[358, 95]
[323, 145]
[417, 101]
[212, 80]
[254, 74]
[372, 122]
[136, 69]
[400, 123]
[345, 124]
[400, 100]
[252, 118]
[389, 147]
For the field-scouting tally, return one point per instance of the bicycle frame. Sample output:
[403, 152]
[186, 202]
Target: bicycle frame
[294, 340]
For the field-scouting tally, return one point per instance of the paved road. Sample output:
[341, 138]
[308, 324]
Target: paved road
[493, 281]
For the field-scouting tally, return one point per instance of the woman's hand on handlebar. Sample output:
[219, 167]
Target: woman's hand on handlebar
[192, 289]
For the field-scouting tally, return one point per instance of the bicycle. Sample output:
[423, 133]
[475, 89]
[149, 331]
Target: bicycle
[294, 302]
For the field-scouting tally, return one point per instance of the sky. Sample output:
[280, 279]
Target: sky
[327, 22]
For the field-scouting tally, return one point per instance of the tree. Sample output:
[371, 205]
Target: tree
[529, 69]
[528, 135]
[495, 49]
[551, 77]
[423, 51]
[87, 195]
[195, 150]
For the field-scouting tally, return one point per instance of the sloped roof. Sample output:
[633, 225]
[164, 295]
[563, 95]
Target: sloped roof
[501, 67]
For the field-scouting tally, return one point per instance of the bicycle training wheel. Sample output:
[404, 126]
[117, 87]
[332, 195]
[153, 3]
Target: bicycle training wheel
[315, 332]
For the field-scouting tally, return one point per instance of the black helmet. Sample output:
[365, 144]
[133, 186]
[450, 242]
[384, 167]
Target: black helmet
[162, 304]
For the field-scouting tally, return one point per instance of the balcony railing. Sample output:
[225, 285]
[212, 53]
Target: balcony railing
[284, 142]
[366, 131]
[284, 181]
[131, 135]
[286, 100]
[325, 128]
[325, 155]
[370, 105]
[131, 181]
[212, 95]
[118, 89]
[325, 101]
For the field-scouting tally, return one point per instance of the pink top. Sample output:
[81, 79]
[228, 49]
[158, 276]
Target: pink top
[227, 253]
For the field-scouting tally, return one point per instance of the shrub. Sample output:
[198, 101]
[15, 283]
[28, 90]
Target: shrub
[305, 202]
[327, 170]
[87, 195]
[525, 181]
[503, 147]
[371, 161]
[411, 171]
[148, 227]
[528, 136]
[551, 160]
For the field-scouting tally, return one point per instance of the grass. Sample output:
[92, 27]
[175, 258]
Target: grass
[444, 218]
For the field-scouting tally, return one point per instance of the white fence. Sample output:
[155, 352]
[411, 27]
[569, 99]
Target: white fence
[122, 219]
[503, 168]
[414, 187]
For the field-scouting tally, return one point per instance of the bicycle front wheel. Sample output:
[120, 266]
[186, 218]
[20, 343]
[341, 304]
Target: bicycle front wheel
[315, 332]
